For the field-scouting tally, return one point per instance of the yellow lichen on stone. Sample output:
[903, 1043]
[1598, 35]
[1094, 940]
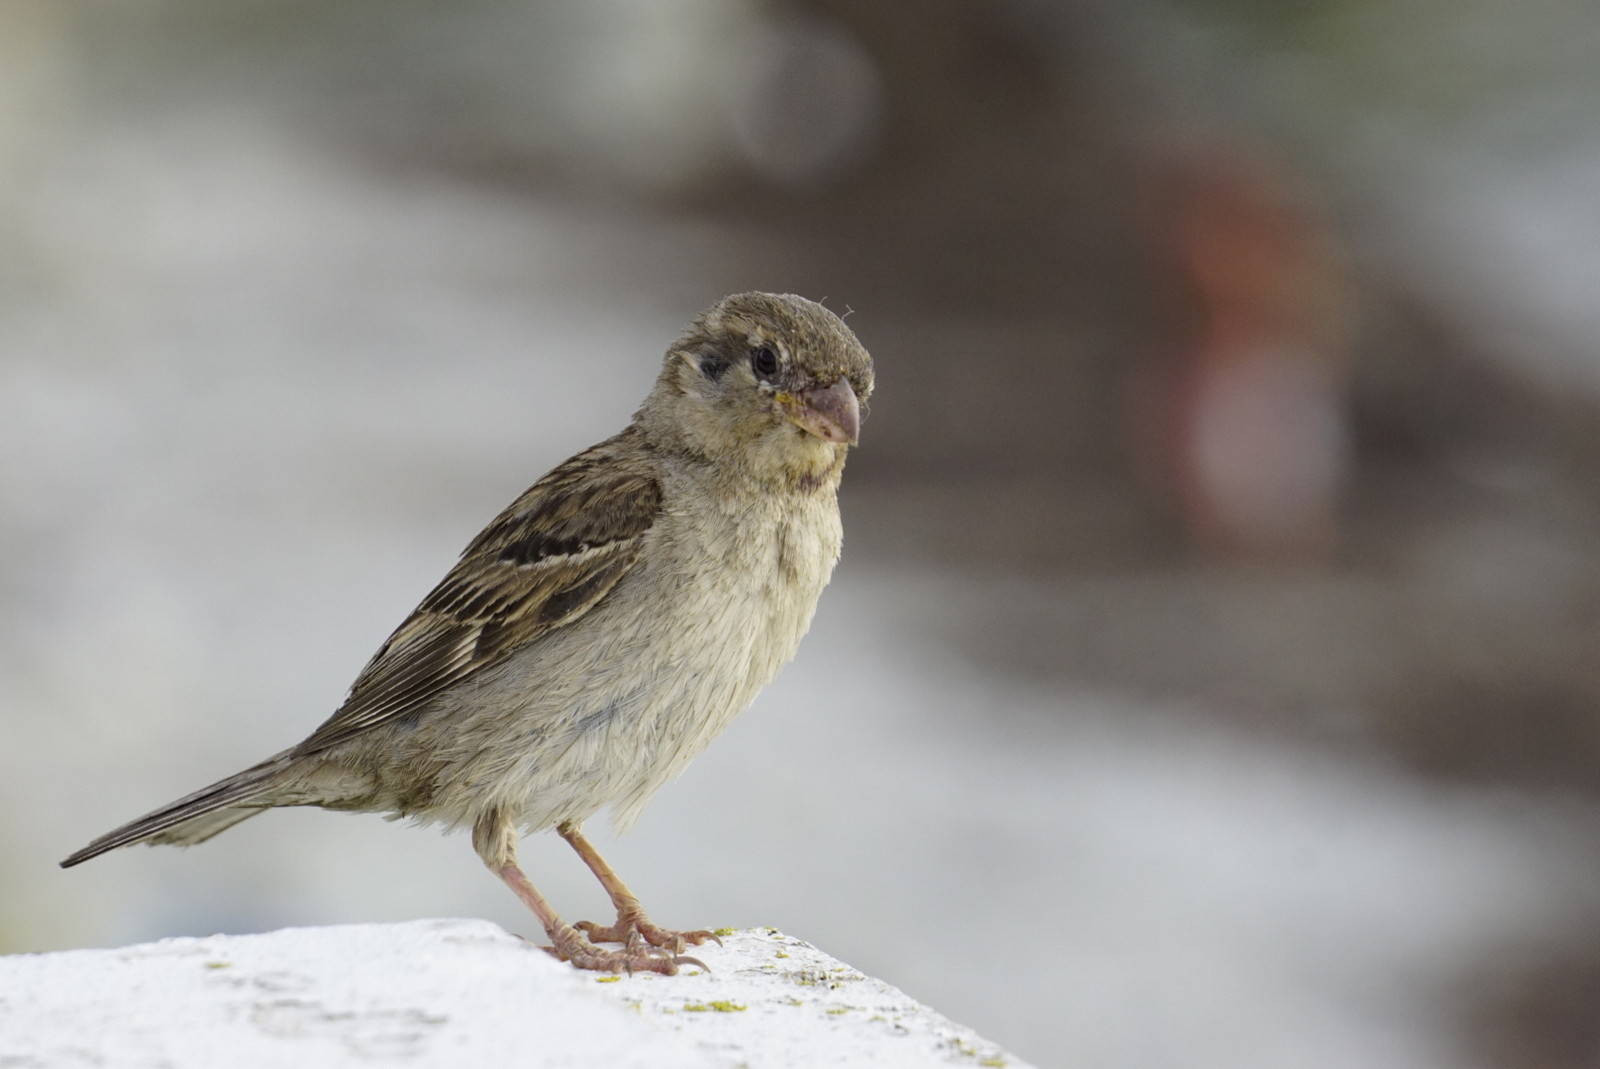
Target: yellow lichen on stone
[720, 1005]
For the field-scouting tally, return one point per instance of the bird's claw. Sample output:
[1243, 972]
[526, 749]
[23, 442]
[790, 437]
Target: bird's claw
[582, 953]
[628, 930]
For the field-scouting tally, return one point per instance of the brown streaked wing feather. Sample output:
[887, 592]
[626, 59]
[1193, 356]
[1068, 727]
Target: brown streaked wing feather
[543, 563]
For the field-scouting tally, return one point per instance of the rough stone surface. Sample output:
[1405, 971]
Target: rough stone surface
[456, 993]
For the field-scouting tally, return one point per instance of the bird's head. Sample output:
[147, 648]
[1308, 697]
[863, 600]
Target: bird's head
[771, 384]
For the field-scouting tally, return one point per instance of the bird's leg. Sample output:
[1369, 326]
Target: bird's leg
[494, 837]
[632, 923]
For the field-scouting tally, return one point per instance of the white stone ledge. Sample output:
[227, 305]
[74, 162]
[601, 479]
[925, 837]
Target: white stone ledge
[457, 993]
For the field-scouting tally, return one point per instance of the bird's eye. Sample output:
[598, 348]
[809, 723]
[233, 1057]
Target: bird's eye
[765, 361]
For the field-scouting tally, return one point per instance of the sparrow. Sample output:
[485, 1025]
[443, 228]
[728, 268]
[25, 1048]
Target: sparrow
[602, 630]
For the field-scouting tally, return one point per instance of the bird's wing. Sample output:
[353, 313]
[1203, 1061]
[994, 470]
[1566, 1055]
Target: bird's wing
[543, 563]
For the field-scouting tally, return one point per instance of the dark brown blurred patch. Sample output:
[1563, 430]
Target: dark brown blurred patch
[1537, 1015]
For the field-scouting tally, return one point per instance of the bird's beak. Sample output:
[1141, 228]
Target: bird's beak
[831, 412]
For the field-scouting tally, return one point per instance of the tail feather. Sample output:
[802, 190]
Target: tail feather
[195, 817]
[199, 829]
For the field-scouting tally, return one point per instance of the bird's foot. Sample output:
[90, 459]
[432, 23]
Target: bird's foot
[632, 927]
[634, 957]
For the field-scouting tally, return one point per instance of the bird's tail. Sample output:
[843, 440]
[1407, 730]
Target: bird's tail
[198, 816]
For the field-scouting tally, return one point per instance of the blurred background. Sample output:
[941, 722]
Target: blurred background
[1217, 628]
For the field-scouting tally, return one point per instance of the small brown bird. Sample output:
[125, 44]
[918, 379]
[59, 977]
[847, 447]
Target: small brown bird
[603, 629]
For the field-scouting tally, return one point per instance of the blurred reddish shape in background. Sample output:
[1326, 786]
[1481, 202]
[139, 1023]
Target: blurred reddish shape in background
[1241, 420]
